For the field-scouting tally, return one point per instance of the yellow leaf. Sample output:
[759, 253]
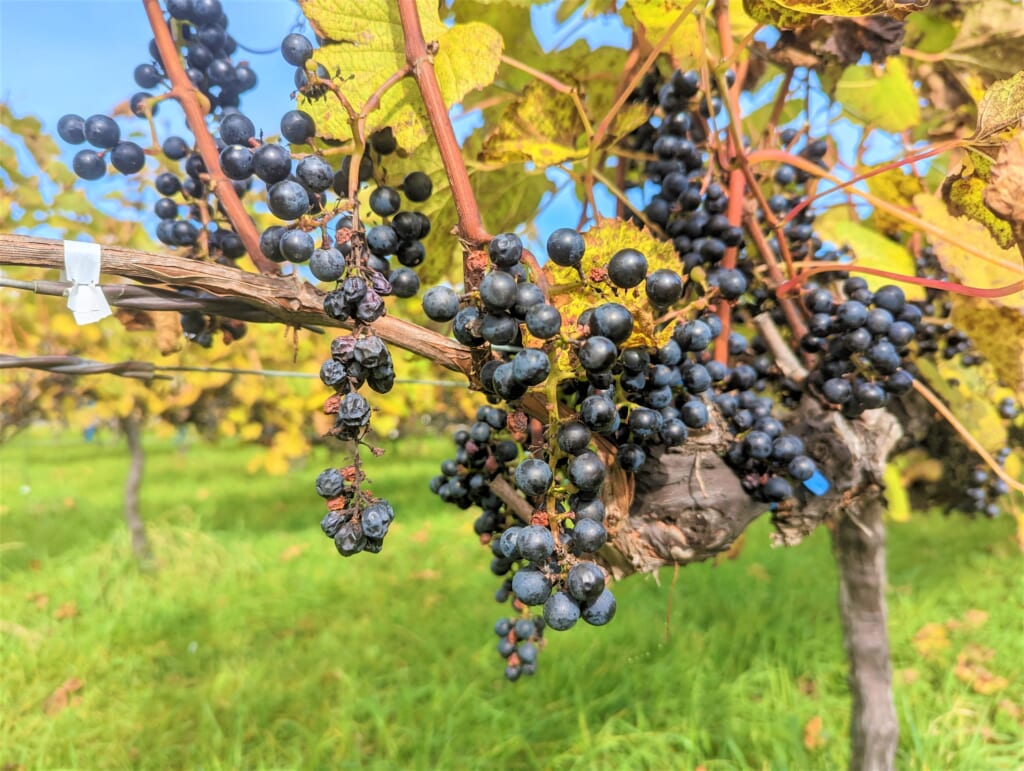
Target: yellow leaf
[969, 670]
[997, 333]
[812, 734]
[931, 640]
[898, 502]
[965, 193]
[365, 46]
[1002, 106]
[251, 431]
[656, 16]
[871, 249]
[542, 126]
[968, 268]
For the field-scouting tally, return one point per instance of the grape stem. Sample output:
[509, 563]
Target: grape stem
[184, 93]
[471, 231]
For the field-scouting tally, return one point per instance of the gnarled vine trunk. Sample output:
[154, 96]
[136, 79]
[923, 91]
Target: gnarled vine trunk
[136, 527]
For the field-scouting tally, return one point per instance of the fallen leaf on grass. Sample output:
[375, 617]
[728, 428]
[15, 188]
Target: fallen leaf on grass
[807, 686]
[62, 697]
[972, 619]
[930, 640]
[426, 575]
[758, 572]
[69, 503]
[291, 552]
[67, 610]
[40, 600]
[908, 675]
[812, 734]
[969, 670]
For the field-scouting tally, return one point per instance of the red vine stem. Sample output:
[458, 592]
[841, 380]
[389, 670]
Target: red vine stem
[184, 93]
[933, 283]
[470, 226]
[759, 156]
[973, 443]
[737, 184]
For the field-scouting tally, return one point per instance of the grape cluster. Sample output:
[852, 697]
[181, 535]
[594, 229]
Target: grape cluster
[357, 521]
[862, 344]
[520, 639]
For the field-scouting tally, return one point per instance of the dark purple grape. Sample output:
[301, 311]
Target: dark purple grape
[598, 354]
[573, 437]
[561, 612]
[287, 200]
[405, 282]
[533, 477]
[836, 390]
[565, 247]
[531, 366]
[417, 186]
[383, 141]
[600, 611]
[627, 268]
[664, 287]
[586, 471]
[167, 184]
[613, 321]
[801, 468]
[382, 240]
[71, 128]
[296, 246]
[498, 291]
[236, 162]
[385, 201]
[296, 49]
[101, 131]
[531, 586]
[175, 148]
[315, 173]
[544, 321]
[440, 303]
[166, 209]
[272, 163]
[505, 250]
[88, 165]
[297, 127]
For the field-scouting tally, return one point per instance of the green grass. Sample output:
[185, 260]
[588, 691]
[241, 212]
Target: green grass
[234, 656]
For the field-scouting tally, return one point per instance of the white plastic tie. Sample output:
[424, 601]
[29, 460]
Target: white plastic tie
[82, 269]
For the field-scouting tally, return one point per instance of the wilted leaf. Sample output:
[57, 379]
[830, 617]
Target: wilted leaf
[931, 640]
[1005, 194]
[877, 36]
[367, 46]
[966, 195]
[1002, 106]
[61, 697]
[887, 101]
[796, 13]
[990, 37]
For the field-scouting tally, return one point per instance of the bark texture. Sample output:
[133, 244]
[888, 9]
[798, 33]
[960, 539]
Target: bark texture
[859, 544]
[136, 527]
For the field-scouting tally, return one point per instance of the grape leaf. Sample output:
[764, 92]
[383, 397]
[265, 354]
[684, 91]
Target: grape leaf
[965, 193]
[966, 391]
[365, 46]
[895, 187]
[998, 334]
[656, 16]
[602, 242]
[797, 13]
[990, 37]
[871, 249]
[1001, 107]
[1005, 195]
[542, 126]
[965, 267]
[888, 102]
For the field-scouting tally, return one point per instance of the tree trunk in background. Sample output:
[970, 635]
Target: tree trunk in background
[859, 545]
[140, 542]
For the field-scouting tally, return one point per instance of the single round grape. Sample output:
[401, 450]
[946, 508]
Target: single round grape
[236, 162]
[185, 233]
[71, 128]
[411, 253]
[870, 395]
[272, 163]
[315, 173]
[385, 201]
[147, 76]
[466, 328]
[411, 225]
[588, 536]
[404, 282]
[776, 489]
[899, 382]
[528, 295]
[673, 432]
[296, 49]
[560, 612]
[530, 586]
[205, 11]
[507, 544]
[166, 209]
[694, 413]
[837, 390]
[327, 264]
[587, 471]
[383, 141]
[758, 445]
[600, 611]
[664, 287]
[784, 448]
[630, 457]
[573, 437]
[731, 284]
[175, 148]
[167, 184]
[220, 72]
[287, 200]
[801, 468]
[531, 366]
[297, 127]
[296, 246]
[597, 354]
[382, 240]
[585, 582]
[499, 329]
[417, 186]
[102, 132]
[890, 297]
[440, 303]
[505, 250]
[498, 291]
[543, 321]
[852, 314]
[627, 268]
[533, 477]
[900, 333]
[565, 247]
[88, 165]
[270, 243]
[613, 321]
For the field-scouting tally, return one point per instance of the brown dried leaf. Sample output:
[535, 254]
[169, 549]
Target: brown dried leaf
[291, 552]
[878, 36]
[40, 600]
[169, 337]
[1005, 195]
[67, 610]
[61, 698]
[1002, 106]
[969, 670]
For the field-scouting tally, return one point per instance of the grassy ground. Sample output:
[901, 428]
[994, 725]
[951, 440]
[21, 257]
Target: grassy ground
[255, 646]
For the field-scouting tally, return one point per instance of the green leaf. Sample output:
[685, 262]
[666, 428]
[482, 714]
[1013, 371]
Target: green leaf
[656, 16]
[542, 126]
[871, 249]
[757, 121]
[1001, 107]
[888, 102]
[367, 46]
